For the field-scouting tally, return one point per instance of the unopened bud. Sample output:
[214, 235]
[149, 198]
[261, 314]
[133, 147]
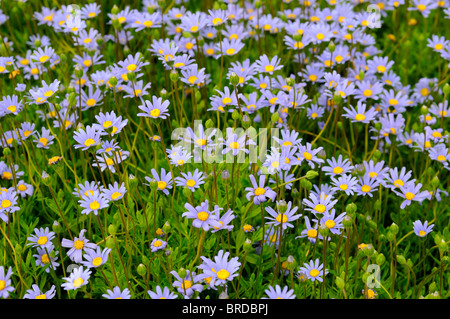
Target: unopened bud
[234, 79]
[141, 270]
[401, 259]
[311, 174]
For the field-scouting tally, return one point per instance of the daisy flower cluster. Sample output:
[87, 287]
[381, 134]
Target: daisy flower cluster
[235, 149]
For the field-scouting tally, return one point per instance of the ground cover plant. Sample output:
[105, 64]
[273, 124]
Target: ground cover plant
[236, 149]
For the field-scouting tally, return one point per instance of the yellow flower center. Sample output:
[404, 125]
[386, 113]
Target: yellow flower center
[314, 273]
[381, 68]
[94, 205]
[12, 108]
[234, 145]
[223, 274]
[157, 243]
[313, 77]
[424, 92]
[260, 191]
[307, 156]
[89, 142]
[148, 23]
[186, 284]
[282, 218]
[78, 282]
[343, 186]
[115, 195]
[409, 196]
[373, 174]
[78, 244]
[6, 203]
[44, 58]
[162, 185]
[366, 188]
[330, 223]
[190, 183]
[421, 7]
[441, 158]
[91, 102]
[217, 21]
[398, 183]
[422, 233]
[437, 135]
[320, 208]
[203, 216]
[43, 296]
[192, 79]
[230, 51]
[338, 170]
[2, 285]
[312, 233]
[320, 36]
[42, 240]
[367, 93]
[269, 68]
[155, 113]
[45, 259]
[22, 187]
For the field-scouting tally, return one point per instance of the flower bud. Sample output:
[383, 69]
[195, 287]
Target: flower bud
[224, 295]
[401, 259]
[113, 81]
[182, 273]
[435, 182]
[351, 208]
[46, 179]
[337, 98]
[112, 229]
[246, 122]
[275, 117]
[225, 174]
[376, 155]
[141, 270]
[380, 259]
[282, 206]
[247, 245]
[369, 250]
[132, 181]
[187, 192]
[166, 227]
[443, 247]
[331, 46]
[311, 174]
[234, 79]
[306, 184]
[78, 71]
[393, 229]
[446, 89]
[390, 236]
[291, 263]
[131, 76]
[56, 227]
[378, 126]
[235, 115]
[424, 110]
[302, 277]
[6, 151]
[347, 221]
[340, 283]
[323, 230]
[110, 243]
